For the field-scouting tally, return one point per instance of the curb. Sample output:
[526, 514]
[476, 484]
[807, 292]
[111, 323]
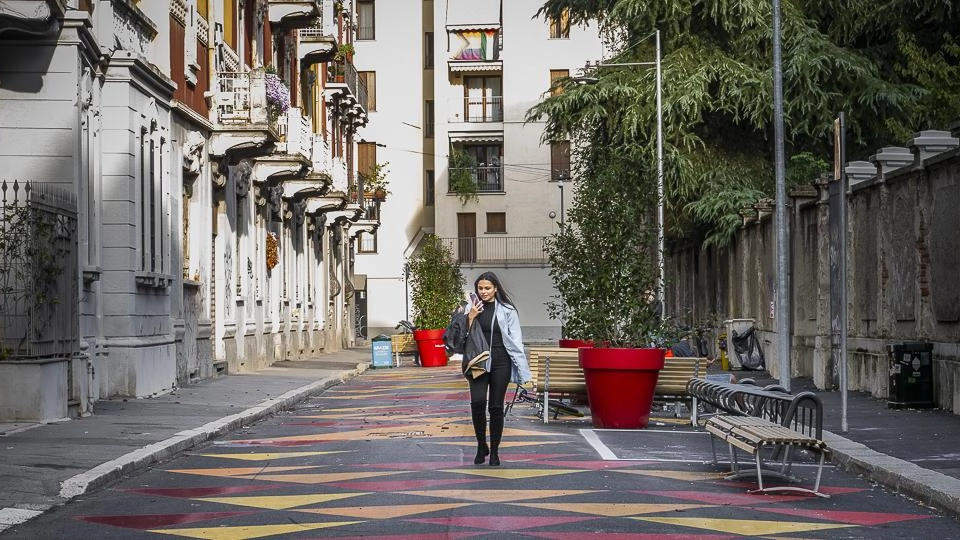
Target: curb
[929, 487]
[138, 459]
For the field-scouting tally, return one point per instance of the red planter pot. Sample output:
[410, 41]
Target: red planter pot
[575, 343]
[431, 348]
[620, 385]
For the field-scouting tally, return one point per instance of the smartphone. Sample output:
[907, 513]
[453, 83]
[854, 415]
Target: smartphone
[476, 301]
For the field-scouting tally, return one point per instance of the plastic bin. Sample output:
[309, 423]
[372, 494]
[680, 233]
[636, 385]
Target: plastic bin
[381, 349]
[911, 375]
[739, 326]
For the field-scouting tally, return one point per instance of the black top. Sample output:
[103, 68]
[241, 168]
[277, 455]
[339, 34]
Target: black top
[485, 318]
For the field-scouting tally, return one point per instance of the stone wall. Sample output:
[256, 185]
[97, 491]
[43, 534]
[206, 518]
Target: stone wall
[903, 252]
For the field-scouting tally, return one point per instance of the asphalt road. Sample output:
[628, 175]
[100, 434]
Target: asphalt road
[390, 455]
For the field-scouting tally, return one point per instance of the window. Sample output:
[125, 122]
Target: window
[366, 26]
[497, 222]
[366, 158]
[428, 119]
[488, 168]
[483, 101]
[560, 160]
[429, 191]
[367, 242]
[428, 50]
[153, 147]
[555, 76]
[560, 28]
[369, 79]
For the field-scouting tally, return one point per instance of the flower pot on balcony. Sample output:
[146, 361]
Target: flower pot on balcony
[430, 346]
[620, 384]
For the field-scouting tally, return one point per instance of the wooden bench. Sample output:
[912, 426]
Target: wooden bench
[672, 383]
[556, 372]
[403, 344]
[753, 434]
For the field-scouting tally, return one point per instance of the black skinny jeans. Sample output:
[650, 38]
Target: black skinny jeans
[493, 383]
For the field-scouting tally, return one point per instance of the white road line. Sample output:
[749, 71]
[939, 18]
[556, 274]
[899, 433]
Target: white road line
[15, 516]
[591, 437]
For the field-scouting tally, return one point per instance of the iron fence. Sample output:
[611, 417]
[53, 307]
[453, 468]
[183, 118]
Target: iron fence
[489, 178]
[38, 272]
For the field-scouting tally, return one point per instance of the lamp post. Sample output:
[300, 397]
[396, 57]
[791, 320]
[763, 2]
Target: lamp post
[660, 192]
[560, 179]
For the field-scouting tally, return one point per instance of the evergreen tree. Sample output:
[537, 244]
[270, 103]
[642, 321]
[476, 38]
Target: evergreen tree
[893, 66]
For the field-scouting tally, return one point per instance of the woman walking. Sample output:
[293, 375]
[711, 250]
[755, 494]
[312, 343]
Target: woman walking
[494, 315]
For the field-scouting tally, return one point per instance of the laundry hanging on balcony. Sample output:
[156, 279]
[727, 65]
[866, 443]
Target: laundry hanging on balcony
[474, 45]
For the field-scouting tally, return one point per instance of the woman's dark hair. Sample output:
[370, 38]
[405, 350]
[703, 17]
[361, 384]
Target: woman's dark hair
[502, 295]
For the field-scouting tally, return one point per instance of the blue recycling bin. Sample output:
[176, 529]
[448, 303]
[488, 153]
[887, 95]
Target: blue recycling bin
[382, 351]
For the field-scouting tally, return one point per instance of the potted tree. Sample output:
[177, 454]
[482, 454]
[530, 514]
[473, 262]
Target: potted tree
[604, 265]
[436, 290]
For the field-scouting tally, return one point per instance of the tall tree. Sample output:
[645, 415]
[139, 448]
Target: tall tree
[892, 65]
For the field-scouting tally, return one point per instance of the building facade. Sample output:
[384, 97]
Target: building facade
[199, 158]
[465, 164]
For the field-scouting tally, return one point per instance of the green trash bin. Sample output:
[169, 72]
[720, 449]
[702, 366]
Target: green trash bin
[382, 351]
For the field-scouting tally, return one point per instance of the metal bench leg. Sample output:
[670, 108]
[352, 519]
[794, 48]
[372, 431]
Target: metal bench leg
[546, 406]
[694, 421]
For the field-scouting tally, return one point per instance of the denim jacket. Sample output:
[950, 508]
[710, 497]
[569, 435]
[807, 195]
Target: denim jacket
[509, 322]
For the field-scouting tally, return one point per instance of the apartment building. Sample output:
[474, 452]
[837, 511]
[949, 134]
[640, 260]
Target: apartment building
[178, 195]
[449, 118]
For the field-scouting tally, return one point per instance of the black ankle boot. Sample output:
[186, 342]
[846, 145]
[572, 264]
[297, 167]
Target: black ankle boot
[494, 458]
[482, 452]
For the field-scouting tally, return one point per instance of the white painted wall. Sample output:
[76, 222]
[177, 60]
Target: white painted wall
[396, 55]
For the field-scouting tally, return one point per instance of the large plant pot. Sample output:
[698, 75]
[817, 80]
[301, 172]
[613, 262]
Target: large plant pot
[575, 343]
[431, 348]
[620, 385]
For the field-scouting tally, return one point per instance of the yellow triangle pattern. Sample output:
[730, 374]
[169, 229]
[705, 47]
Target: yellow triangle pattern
[251, 531]
[281, 502]
[513, 474]
[614, 509]
[687, 476]
[242, 471]
[383, 512]
[498, 495]
[270, 456]
[745, 527]
[318, 478]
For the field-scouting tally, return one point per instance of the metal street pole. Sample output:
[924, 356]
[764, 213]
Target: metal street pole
[661, 285]
[780, 219]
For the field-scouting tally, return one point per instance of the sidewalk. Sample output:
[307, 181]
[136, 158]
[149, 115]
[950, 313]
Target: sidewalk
[42, 466]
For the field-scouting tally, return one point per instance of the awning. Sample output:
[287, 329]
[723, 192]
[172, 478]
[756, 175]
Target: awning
[476, 66]
[473, 14]
[476, 136]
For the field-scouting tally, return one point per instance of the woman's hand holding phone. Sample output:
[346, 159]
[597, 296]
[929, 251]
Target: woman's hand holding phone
[477, 303]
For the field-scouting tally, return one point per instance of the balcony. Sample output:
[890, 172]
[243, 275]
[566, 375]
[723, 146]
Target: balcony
[342, 77]
[31, 17]
[499, 250]
[489, 178]
[292, 154]
[317, 42]
[239, 111]
[291, 14]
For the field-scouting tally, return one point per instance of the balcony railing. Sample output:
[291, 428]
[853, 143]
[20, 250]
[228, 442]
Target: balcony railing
[343, 72]
[499, 250]
[241, 97]
[483, 109]
[325, 26]
[371, 209]
[489, 178]
[295, 133]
